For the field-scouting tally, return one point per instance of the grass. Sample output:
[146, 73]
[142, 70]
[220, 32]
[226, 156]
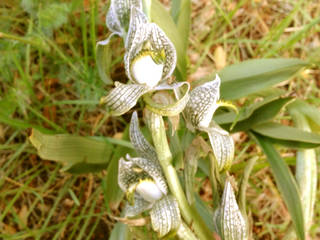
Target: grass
[49, 81]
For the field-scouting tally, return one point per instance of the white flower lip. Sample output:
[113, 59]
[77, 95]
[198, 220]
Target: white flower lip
[146, 71]
[149, 191]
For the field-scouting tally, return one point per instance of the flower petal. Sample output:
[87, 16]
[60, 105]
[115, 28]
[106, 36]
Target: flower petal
[228, 219]
[140, 205]
[172, 109]
[203, 104]
[153, 169]
[123, 97]
[165, 216]
[118, 15]
[160, 41]
[141, 145]
[140, 32]
[222, 145]
[129, 173]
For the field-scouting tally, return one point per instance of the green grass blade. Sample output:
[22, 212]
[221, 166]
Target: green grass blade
[251, 76]
[286, 184]
[288, 136]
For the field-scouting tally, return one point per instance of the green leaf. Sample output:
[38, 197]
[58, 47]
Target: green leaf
[205, 212]
[241, 79]
[312, 113]
[181, 13]
[287, 136]
[256, 113]
[286, 184]
[120, 232]
[112, 192]
[77, 154]
[160, 16]
[103, 62]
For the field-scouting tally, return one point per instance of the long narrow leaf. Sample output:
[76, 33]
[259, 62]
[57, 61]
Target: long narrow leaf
[286, 184]
[239, 80]
[287, 136]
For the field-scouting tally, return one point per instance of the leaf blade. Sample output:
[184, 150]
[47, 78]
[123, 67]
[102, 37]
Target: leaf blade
[285, 182]
[239, 80]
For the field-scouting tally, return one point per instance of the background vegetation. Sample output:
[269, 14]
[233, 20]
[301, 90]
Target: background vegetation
[49, 81]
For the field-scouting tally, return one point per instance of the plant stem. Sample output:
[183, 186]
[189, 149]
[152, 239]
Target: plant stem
[189, 213]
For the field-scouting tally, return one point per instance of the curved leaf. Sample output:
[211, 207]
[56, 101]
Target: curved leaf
[288, 136]
[286, 184]
[77, 154]
[241, 79]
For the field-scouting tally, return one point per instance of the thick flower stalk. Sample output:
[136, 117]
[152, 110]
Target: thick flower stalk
[199, 112]
[142, 180]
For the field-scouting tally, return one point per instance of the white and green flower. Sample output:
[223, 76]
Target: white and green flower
[199, 112]
[149, 60]
[142, 180]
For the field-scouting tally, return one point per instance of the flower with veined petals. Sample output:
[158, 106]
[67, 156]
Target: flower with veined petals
[142, 180]
[199, 111]
[149, 60]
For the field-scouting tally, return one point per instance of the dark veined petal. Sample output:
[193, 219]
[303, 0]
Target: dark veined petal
[165, 216]
[141, 145]
[222, 145]
[118, 16]
[142, 32]
[159, 41]
[153, 169]
[228, 219]
[129, 174]
[123, 97]
[140, 205]
[203, 104]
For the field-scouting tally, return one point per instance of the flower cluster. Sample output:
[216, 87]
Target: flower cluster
[150, 59]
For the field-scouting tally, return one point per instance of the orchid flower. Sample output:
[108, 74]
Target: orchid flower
[228, 220]
[199, 111]
[142, 180]
[150, 59]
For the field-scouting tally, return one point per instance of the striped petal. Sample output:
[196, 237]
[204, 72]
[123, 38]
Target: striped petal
[140, 205]
[153, 169]
[123, 97]
[222, 145]
[165, 216]
[229, 222]
[202, 104]
[118, 16]
[142, 32]
[141, 145]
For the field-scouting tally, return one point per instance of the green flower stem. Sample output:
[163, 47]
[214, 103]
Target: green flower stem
[189, 213]
[214, 175]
